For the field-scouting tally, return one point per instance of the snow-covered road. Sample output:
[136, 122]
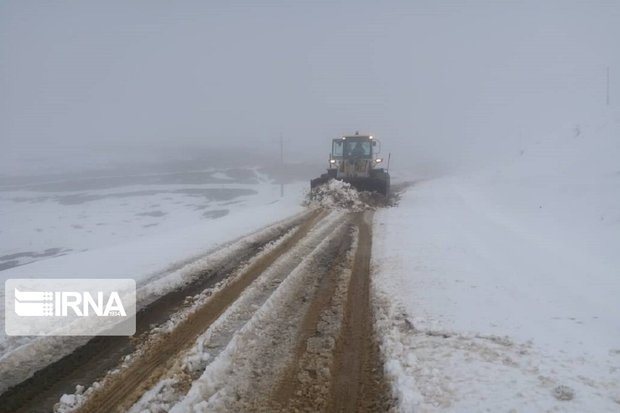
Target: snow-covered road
[278, 321]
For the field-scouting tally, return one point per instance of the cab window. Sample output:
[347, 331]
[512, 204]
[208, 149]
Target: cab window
[337, 148]
[358, 149]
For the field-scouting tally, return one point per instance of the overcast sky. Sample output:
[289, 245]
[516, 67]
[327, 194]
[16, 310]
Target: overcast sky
[433, 79]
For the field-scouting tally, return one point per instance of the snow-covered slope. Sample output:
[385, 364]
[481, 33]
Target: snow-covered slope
[500, 289]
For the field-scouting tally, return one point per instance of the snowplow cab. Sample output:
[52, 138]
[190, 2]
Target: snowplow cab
[356, 159]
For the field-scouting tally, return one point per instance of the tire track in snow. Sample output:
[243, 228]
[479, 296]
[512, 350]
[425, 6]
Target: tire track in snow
[358, 383]
[290, 331]
[338, 367]
[311, 346]
[130, 383]
[243, 377]
[209, 345]
[92, 359]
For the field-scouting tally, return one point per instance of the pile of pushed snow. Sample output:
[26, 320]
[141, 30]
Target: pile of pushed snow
[341, 195]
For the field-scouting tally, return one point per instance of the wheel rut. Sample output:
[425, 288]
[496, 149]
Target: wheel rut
[288, 328]
[337, 365]
[90, 361]
[133, 381]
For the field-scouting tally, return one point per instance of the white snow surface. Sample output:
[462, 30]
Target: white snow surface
[499, 290]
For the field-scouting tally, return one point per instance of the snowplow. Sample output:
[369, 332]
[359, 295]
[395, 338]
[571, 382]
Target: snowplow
[355, 159]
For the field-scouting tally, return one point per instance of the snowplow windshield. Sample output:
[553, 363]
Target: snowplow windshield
[355, 148]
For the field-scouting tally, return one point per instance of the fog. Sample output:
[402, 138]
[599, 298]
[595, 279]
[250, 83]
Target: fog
[447, 84]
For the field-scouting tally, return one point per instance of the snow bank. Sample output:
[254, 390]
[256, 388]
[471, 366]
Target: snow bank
[499, 289]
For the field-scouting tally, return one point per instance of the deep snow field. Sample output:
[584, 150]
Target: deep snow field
[499, 290]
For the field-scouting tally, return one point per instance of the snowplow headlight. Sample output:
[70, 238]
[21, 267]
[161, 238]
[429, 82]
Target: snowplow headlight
[370, 137]
[378, 160]
[332, 161]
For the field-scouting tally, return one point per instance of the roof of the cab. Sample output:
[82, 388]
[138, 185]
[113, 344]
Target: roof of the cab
[360, 137]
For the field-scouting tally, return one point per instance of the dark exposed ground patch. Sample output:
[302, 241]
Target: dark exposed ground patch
[291, 172]
[21, 258]
[32, 200]
[216, 194]
[211, 194]
[155, 214]
[31, 254]
[8, 264]
[69, 184]
[241, 175]
[230, 202]
[216, 213]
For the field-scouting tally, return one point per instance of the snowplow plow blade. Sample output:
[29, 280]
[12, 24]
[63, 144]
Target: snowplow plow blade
[378, 185]
[316, 182]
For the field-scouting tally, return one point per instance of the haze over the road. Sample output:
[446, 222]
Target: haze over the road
[446, 83]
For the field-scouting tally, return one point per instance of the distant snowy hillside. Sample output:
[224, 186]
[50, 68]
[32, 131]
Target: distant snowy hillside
[500, 289]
